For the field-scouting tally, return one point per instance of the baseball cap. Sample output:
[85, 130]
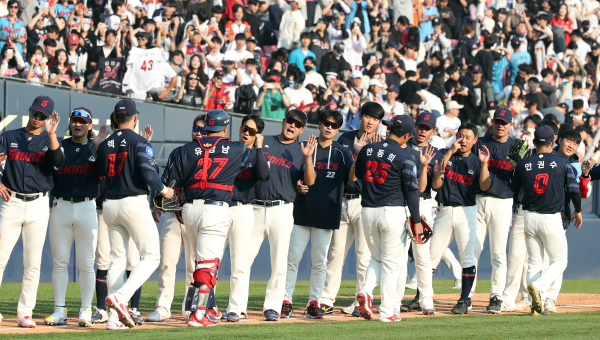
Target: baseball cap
[43, 104]
[253, 39]
[73, 39]
[126, 105]
[543, 135]
[426, 118]
[414, 99]
[503, 114]
[338, 48]
[530, 99]
[394, 88]
[216, 120]
[344, 66]
[82, 112]
[477, 68]
[453, 104]
[436, 21]
[577, 83]
[375, 82]
[356, 74]
[563, 105]
[401, 123]
[595, 46]
[218, 73]
[515, 42]
[274, 78]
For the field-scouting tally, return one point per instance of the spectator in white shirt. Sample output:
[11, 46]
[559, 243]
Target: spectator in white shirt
[583, 48]
[240, 54]
[337, 30]
[250, 76]
[407, 57]
[448, 124]
[292, 24]
[299, 96]
[355, 46]
[391, 107]
[312, 77]
[214, 58]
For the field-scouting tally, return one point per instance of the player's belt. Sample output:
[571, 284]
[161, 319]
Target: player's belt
[75, 199]
[351, 196]
[236, 203]
[29, 197]
[206, 202]
[448, 204]
[271, 203]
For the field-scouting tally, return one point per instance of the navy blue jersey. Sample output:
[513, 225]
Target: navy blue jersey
[225, 159]
[437, 156]
[245, 182]
[347, 140]
[77, 176]
[499, 166]
[321, 206]
[388, 172]
[123, 158]
[285, 162]
[460, 180]
[27, 169]
[544, 179]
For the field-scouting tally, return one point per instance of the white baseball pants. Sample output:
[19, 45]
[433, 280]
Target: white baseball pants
[516, 274]
[276, 223]
[73, 222]
[29, 219]
[388, 242]
[351, 229]
[103, 247]
[206, 226]
[450, 262]
[241, 222]
[460, 223]
[493, 217]
[172, 238]
[544, 232]
[319, 243]
[554, 288]
[130, 218]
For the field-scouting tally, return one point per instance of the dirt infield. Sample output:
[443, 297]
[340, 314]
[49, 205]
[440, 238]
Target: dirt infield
[567, 303]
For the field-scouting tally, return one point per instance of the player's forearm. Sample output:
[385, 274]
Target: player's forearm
[412, 201]
[423, 178]
[485, 181]
[153, 180]
[352, 175]
[576, 199]
[448, 154]
[437, 182]
[262, 166]
[310, 175]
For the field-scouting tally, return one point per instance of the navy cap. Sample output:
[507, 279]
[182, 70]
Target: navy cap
[43, 104]
[125, 105]
[83, 113]
[543, 134]
[436, 21]
[216, 120]
[504, 115]
[401, 123]
[477, 68]
[394, 88]
[426, 118]
[595, 46]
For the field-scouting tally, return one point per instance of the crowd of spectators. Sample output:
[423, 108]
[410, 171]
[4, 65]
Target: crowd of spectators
[458, 59]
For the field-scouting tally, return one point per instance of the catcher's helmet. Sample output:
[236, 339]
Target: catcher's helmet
[216, 120]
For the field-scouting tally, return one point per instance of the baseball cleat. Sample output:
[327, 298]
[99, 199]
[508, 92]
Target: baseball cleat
[495, 306]
[350, 309]
[469, 305]
[550, 306]
[508, 307]
[85, 317]
[286, 309]
[205, 322]
[313, 310]
[327, 309]
[232, 317]
[58, 318]
[158, 316]
[411, 285]
[393, 318]
[365, 305]
[523, 304]
[99, 316]
[224, 315]
[536, 299]
[243, 315]
[186, 315]
[414, 305]
[214, 313]
[114, 325]
[25, 322]
[122, 310]
[457, 284]
[460, 308]
[271, 315]
[356, 312]
[136, 316]
[429, 311]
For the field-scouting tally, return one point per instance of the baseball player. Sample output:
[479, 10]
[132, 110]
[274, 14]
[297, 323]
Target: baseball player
[33, 154]
[173, 237]
[273, 208]
[241, 215]
[317, 212]
[544, 177]
[127, 161]
[495, 204]
[103, 251]
[350, 224]
[205, 211]
[425, 128]
[389, 190]
[73, 216]
[457, 178]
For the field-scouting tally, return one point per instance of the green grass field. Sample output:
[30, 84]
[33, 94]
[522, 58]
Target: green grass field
[514, 326]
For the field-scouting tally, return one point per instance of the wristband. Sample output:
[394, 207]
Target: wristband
[164, 190]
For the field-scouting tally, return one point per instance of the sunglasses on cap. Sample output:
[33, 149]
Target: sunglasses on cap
[80, 113]
[293, 121]
[252, 132]
[332, 125]
[196, 128]
[39, 115]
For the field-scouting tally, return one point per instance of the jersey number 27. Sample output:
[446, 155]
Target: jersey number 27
[221, 164]
[376, 172]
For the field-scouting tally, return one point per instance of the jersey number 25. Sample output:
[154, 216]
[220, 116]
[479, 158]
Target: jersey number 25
[376, 171]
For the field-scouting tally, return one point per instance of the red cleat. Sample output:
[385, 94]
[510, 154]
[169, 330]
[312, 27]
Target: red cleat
[365, 305]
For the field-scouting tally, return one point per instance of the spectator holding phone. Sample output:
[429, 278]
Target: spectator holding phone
[77, 17]
[77, 57]
[36, 32]
[60, 71]
[36, 70]
[12, 28]
[12, 61]
[272, 101]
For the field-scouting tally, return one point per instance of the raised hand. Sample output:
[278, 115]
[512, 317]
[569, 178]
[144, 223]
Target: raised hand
[358, 144]
[439, 168]
[259, 140]
[484, 154]
[52, 123]
[426, 156]
[375, 139]
[148, 132]
[101, 136]
[586, 166]
[309, 147]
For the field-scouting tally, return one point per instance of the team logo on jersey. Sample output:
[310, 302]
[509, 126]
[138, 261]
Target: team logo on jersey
[541, 155]
[92, 159]
[471, 172]
[207, 145]
[111, 143]
[46, 148]
[385, 144]
[415, 170]
[14, 145]
[77, 150]
[449, 164]
[149, 151]
[266, 146]
[29, 138]
[123, 143]
[119, 133]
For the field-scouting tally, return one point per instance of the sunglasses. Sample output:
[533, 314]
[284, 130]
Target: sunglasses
[14, 7]
[80, 113]
[293, 121]
[196, 128]
[39, 115]
[299, 84]
[332, 125]
[142, 38]
[248, 129]
[193, 78]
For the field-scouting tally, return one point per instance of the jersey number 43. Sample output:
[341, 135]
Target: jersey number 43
[376, 172]
[147, 66]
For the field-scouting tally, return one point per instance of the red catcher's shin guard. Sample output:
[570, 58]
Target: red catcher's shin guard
[205, 279]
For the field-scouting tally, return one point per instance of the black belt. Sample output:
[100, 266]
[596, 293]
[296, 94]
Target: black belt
[271, 203]
[28, 197]
[351, 196]
[449, 204]
[208, 202]
[236, 203]
[75, 199]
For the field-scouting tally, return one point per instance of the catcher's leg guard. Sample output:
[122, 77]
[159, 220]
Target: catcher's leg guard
[205, 279]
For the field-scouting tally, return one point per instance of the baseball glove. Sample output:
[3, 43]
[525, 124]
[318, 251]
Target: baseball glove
[168, 205]
[518, 150]
[420, 238]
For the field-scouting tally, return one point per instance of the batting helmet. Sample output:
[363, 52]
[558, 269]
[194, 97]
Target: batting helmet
[216, 120]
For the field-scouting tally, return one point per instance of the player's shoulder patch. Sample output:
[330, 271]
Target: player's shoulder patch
[149, 151]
